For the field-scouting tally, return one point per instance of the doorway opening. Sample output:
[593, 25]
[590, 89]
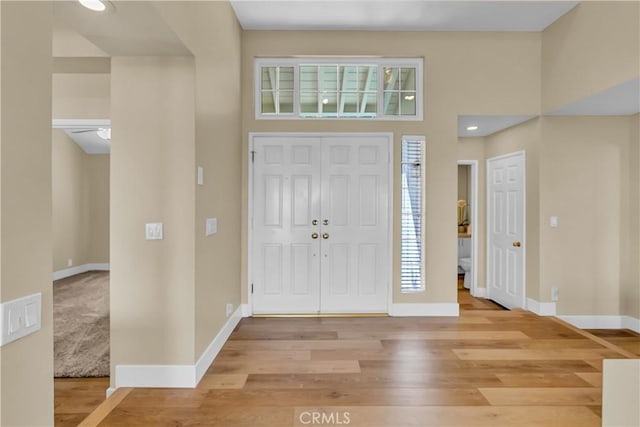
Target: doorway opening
[468, 226]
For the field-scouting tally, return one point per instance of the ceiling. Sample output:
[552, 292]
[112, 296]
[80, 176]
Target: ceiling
[403, 15]
[130, 28]
[136, 28]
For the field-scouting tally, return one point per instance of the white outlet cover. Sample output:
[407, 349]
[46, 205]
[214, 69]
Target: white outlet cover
[153, 231]
[553, 221]
[211, 226]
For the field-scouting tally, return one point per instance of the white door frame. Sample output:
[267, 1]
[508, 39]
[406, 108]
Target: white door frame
[475, 225]
[523, 303]
[391, 170]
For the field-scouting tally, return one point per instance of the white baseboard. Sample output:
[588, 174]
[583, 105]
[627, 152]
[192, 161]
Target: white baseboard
[428, 309]
[176, 376]
[246, 310]
[72, 271]
[541, 308]
[632, 323]
[110, 391]
[216, 345]
[603, 322]
[479, 292]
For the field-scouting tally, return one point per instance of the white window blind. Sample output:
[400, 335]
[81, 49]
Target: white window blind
[412, 215]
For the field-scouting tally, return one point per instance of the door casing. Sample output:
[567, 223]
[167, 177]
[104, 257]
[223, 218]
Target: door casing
[250, 195]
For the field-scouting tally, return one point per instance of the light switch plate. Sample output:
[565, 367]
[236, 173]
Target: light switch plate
[154, 231]
[211, 226]
[553, 221]
[20, 317]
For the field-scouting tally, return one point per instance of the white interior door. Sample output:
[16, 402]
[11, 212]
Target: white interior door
[286, 257]
[505, 215]
[320, 237]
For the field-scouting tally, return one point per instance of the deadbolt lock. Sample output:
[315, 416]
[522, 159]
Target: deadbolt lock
[314, 222]
[325, 222]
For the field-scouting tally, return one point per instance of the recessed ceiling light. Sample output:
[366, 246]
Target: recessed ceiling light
[410, 97]
[474, 127]
[95, 5]
[325, 101]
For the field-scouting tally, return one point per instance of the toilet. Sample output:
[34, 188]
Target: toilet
[465, 264]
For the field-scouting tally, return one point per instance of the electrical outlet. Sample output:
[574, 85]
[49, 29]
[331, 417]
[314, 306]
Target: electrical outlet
[229, 309]
[69, 262]
[554, 294]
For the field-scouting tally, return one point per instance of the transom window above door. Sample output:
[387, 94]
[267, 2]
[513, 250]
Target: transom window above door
[351, 88]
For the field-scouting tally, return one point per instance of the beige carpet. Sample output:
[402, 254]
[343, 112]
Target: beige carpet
[81, 325]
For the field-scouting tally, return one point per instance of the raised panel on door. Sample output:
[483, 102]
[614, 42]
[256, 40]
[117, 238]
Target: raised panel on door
[285, 258]
[355, 197]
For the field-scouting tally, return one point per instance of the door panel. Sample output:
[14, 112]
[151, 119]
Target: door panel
[506, 230]
[286, 259]
[355, 197]
[342, 182]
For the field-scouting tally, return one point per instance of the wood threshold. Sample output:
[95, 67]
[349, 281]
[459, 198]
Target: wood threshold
[105, 408]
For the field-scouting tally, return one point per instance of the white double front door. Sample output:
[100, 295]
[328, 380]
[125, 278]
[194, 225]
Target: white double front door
[320, 224]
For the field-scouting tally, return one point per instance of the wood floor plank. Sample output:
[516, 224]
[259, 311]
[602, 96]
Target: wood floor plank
[247, 355]
[593, 378]
[385, 354]
[557, 354]
[433, 335]
[223, 381]
[281, 345]
[545, 380]
[545, 396]
[287, 367]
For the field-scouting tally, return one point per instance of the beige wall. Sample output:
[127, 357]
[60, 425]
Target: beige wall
[80, 204]
[218, 151]
[630, 283]
[152, 180]
[26, 365]
[97, 173]
[593, 47]
[488, 73]
[525, 137]
[81, 96]
[473, 149]
[584, 180]
[69, 202]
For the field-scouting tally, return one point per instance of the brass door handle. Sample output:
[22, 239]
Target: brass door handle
[325, 235]
[516, 244]
[314, 235]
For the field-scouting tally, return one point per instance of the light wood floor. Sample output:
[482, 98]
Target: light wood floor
[488, 367]
[75, 398]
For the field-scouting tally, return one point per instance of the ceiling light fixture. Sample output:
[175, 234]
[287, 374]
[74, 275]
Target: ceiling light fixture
[104, 133]
[325, 101]
[98, 5]
[474, 127]
[410, 97]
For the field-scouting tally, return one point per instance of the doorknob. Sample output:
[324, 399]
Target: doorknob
[325, 222]
[314, 222]
[314, 235]
[516, 244]
[325, 235]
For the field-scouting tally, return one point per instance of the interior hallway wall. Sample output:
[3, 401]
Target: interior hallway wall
[26, 365]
